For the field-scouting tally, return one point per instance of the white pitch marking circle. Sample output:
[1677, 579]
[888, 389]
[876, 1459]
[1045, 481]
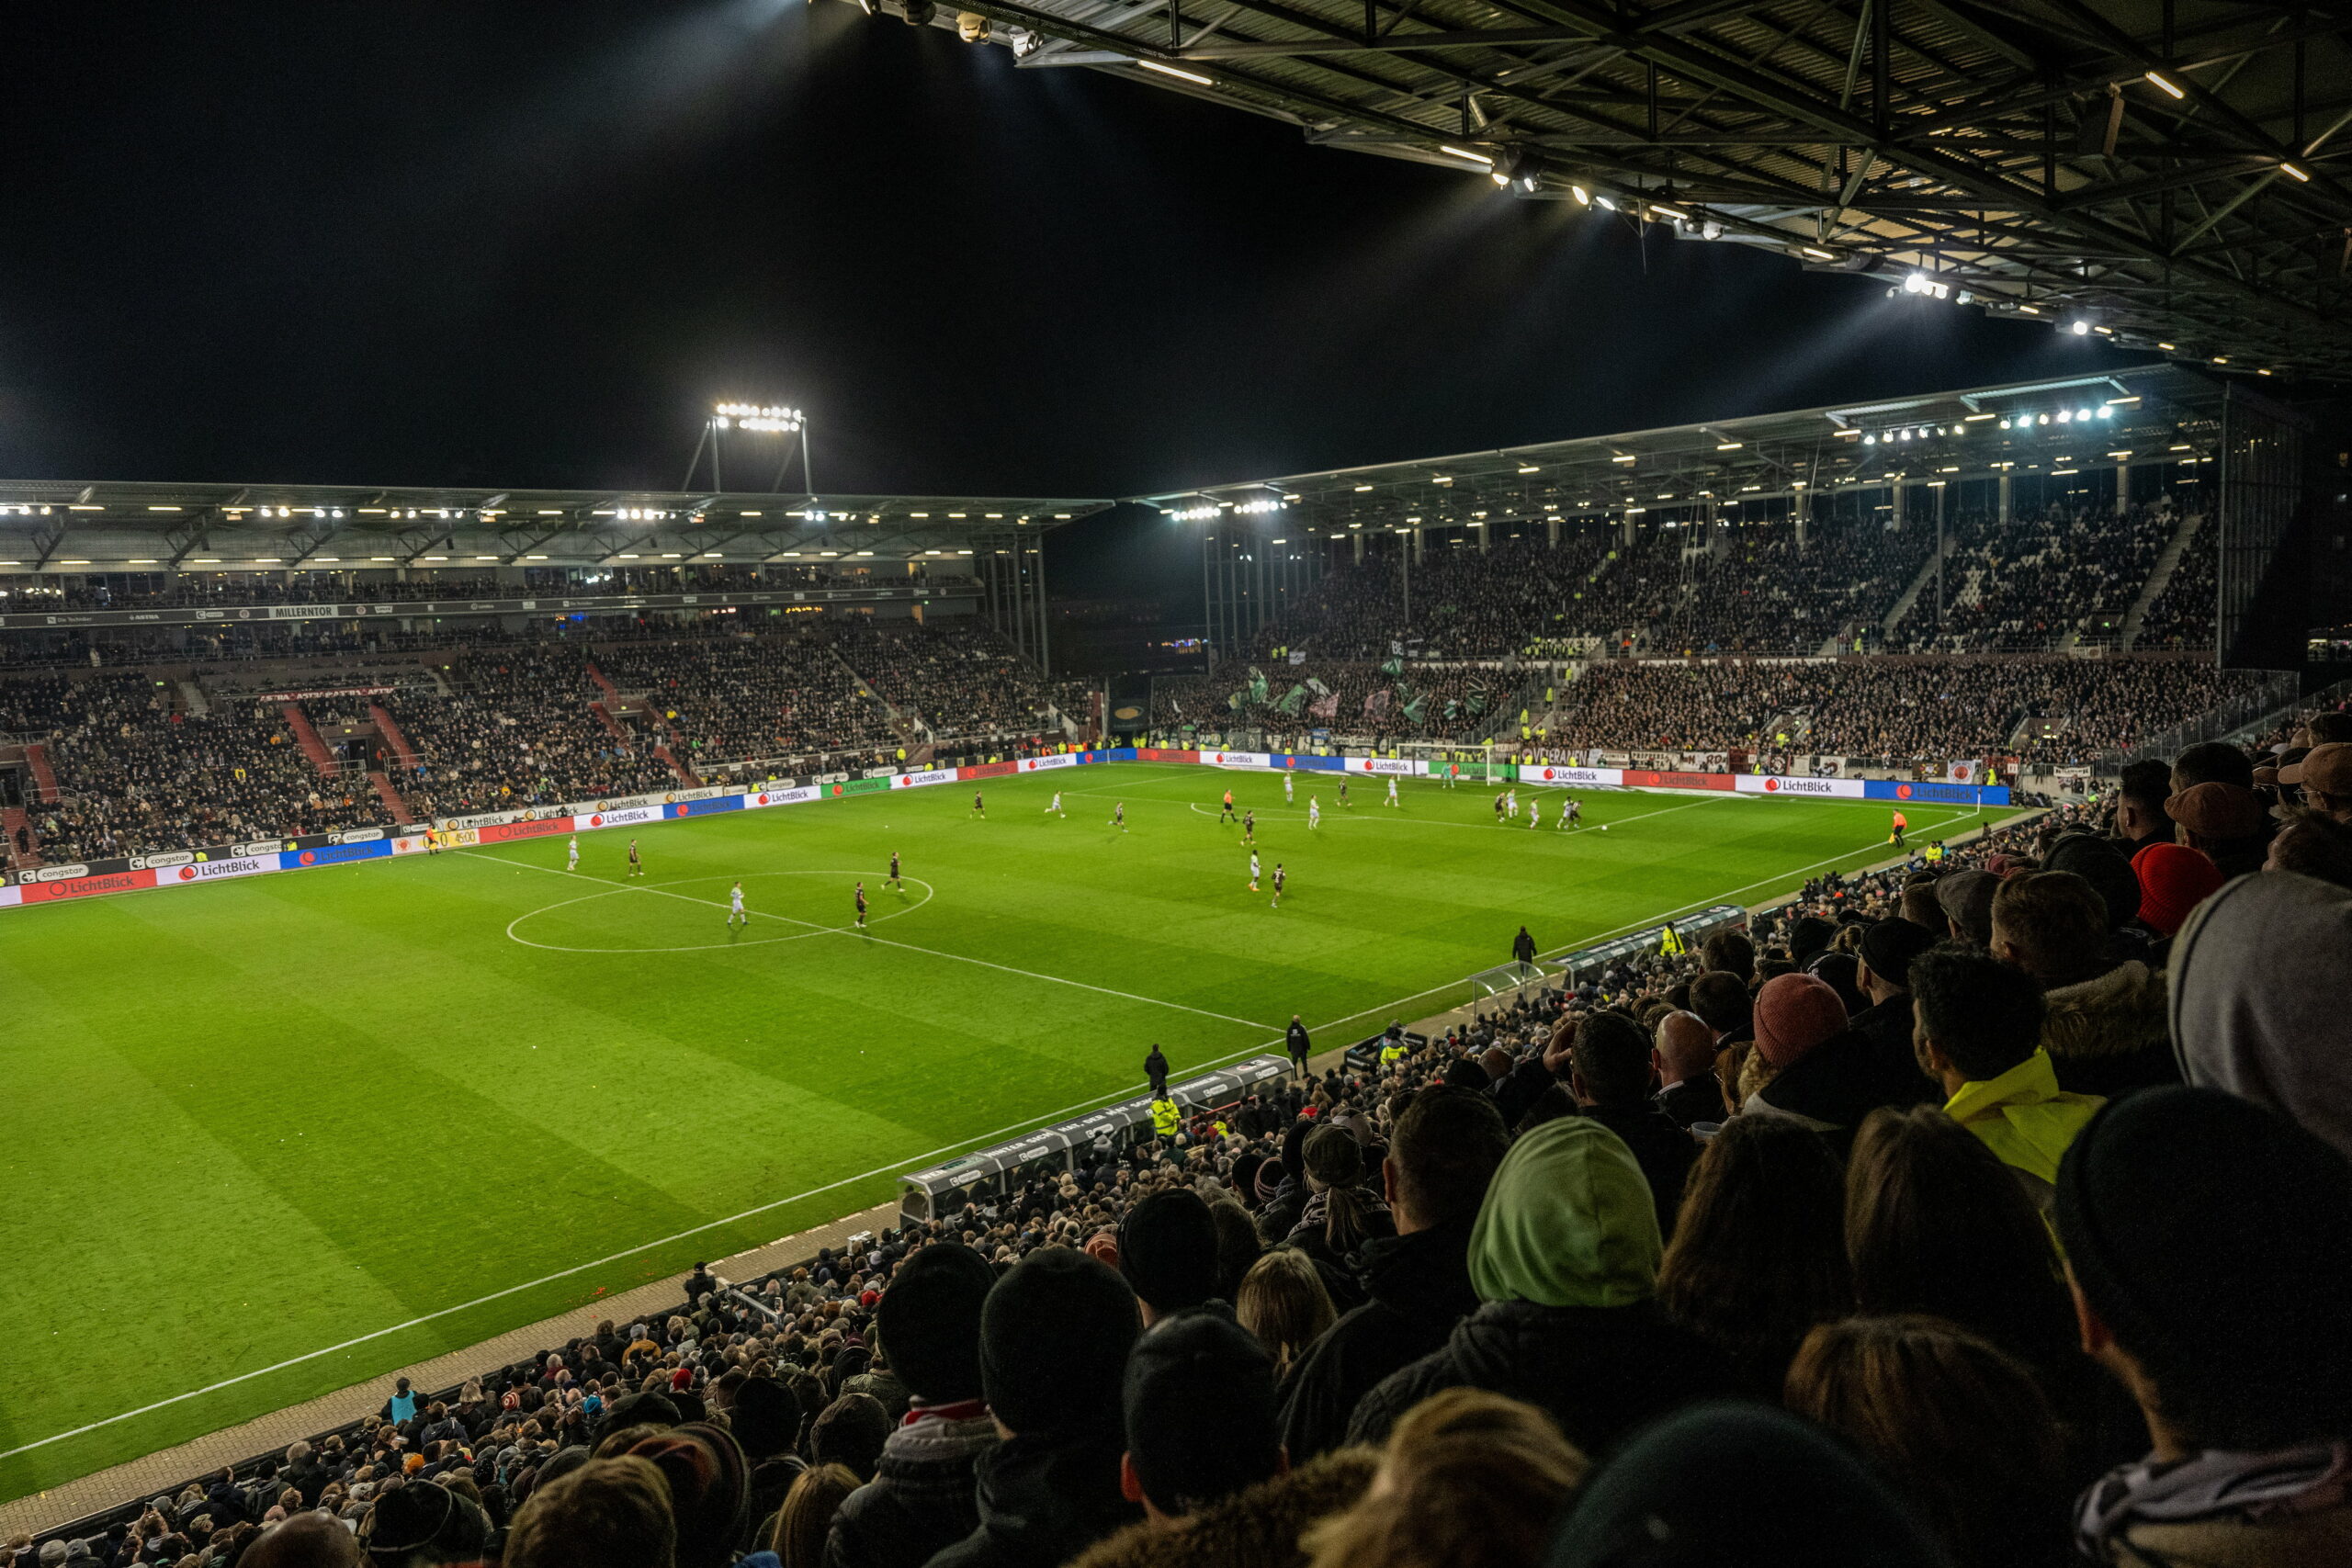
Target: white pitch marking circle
[929, 893]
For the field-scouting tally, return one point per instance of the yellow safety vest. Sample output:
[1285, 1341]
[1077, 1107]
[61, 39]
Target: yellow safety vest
[1165, 1118]
[1391, 1054]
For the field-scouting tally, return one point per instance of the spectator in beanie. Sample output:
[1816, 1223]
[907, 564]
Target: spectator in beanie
[1684, 1060]
[1959, 1427]
[1340, 1216]
[609, 1513]
[2258, 998]
[424, 1527]
[1808, 1066]
[1885, 979]
[2097, 862]
[2208, 1248]
[2103, 1021]
[849, 1432]
[2173, 880]
[1609, 1077]
[1564, 1257]
[1760, 1255]
[1168, 1251]
[1054, 1340]
[1441, 1156]
[1199, 1416]
[1199, 1412]
[923, 1495]
[765, 1419]
[1979, 1036]
[1467, 1480]
[1739, 1483]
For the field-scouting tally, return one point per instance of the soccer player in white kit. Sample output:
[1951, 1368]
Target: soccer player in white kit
[1314, 812]
[1535, 814]
[1392, 789]
[1574, 814]
[735, 904]
[1055, 809]
[571, 860]
[1119, 817]
[1513, 796]
[1254, 870]
[1286, 788]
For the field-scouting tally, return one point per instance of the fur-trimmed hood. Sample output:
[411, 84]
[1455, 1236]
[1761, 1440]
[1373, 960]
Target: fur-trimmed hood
[1256, 1528]
[2112, 1015]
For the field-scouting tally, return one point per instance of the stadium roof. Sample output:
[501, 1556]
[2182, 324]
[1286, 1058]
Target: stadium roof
[2165, 170]
[2156, 413]
[74, 526]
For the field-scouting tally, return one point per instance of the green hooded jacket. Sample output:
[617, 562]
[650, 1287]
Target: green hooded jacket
[1569, 1222]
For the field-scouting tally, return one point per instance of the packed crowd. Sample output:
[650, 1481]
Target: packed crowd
[1902, 711]
[2182, 616]
[741, 699]
[139, 773]
[955, 680]
[2030, 582]
[1385, 700]
[1987, 1213]
[1749, 588]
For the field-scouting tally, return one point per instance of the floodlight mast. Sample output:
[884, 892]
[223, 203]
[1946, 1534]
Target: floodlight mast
[777, 419]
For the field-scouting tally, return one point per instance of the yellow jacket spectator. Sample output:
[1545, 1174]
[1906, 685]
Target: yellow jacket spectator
[1977, 1031]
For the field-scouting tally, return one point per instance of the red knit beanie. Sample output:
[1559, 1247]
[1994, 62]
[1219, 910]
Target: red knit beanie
[1793, 1014]
[2174, 879]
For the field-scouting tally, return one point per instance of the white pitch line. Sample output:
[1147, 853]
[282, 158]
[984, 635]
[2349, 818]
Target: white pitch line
[816, 929]
[1287, 812]
[799, 1197]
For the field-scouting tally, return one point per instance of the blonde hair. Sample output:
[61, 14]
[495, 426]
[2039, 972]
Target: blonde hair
[1468, 1479]
[1282, 1300]
[797, 1536]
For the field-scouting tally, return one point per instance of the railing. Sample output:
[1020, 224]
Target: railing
[2258, 709]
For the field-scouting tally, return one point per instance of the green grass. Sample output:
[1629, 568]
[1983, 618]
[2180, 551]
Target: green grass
[246, 1122]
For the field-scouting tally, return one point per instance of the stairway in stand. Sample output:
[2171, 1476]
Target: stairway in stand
[390, 797]
[19, 829]
[308, 739]
[44, 776]
[388, 727]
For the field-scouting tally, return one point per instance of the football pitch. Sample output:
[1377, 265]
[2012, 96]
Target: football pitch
[265, 1138]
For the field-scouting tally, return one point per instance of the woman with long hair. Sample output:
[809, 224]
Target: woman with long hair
[1282, 1302]
[1758, 1254]
[796, 1534]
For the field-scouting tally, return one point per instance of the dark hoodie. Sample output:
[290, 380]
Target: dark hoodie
[1421, 1288]
[1564, 1257]
[1044, 1499]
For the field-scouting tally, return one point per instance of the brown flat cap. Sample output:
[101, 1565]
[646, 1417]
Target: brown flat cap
[2327, 769]
[2216, 810]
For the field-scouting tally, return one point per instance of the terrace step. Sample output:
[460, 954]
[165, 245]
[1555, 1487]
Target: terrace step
[44, 776]
[390, 797]
[388, 727]
[19, 829]
[2167, 562]
[307, 739]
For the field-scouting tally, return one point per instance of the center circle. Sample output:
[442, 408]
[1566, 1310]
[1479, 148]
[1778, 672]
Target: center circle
[808, 928]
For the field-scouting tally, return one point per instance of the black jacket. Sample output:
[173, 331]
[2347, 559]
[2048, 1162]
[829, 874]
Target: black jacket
[1419, 1286]
[1662, 1147]
[910, 1511]
[1045, 1499]
[1296, 1038]
[1691, 1100]
[1600, 1372]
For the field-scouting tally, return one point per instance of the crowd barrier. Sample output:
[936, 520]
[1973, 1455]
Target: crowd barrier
[47, 885]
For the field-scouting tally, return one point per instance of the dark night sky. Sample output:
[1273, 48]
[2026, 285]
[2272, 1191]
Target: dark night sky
[529, 243]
